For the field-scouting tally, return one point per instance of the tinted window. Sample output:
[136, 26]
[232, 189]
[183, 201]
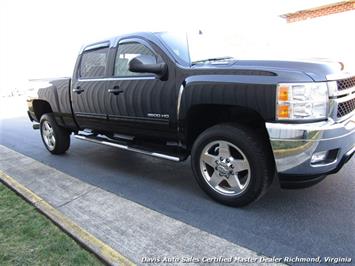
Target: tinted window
[126, 52]
[93, 63]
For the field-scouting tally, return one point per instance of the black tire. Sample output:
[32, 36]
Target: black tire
[60, 134]
[253, 148]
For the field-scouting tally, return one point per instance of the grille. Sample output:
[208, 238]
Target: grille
[345, 108]
[346, 83]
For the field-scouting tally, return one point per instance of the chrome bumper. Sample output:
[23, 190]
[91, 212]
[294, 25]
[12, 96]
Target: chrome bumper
[294, 145]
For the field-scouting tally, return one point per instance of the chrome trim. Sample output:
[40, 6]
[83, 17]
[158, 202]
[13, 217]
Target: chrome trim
[221, 168]
[304, 132]
[346, 98]
[113, 79]
[324, 164]
[341, 75]
[348, 91]
[163, 156]
[181, 90]
[294, 144]
[351, 151]
[125, 147]
[332, 88]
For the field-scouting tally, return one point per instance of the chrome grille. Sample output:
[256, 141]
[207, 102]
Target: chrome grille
[342, 97]
[346, 107]
[344, 84]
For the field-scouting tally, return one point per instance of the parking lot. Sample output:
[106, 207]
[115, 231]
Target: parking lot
[318, 221]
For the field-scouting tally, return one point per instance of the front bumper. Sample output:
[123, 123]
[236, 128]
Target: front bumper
[295, 145]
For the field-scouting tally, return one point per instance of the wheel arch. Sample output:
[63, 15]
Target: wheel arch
[41, 107]
[203, 116]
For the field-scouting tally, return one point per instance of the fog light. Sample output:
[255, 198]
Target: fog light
[319, 157]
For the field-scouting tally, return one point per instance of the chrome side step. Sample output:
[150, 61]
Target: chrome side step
[128, 148]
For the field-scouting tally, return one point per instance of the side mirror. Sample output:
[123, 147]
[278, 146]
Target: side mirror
[147, 64]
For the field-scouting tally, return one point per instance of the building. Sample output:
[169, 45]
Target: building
[326, 31]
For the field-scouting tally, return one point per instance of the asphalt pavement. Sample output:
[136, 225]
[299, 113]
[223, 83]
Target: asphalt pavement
[119, 231]
[317, 221]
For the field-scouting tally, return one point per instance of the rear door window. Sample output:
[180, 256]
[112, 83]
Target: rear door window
[93, 63]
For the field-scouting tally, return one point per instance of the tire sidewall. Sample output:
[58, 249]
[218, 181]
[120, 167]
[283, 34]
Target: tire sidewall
[45, 118]
[62, 138]
[237, 138]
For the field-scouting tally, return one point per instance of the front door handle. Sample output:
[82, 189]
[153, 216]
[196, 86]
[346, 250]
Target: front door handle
[115, 90]
[78, 90]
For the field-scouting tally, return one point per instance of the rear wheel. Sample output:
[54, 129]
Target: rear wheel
[232, 164]
[55, 138]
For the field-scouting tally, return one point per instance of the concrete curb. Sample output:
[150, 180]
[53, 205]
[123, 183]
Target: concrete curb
[90, 242]
[119, 231]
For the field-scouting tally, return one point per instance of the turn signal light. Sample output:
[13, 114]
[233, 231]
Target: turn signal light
[283, 111]
[283, 93]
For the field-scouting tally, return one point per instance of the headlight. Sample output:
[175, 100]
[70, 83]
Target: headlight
[302, 101]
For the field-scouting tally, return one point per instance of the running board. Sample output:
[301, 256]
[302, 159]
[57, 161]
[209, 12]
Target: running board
[35, 126]
[107, 142]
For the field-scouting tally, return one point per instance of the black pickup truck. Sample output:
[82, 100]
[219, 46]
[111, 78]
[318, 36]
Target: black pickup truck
[243, 122]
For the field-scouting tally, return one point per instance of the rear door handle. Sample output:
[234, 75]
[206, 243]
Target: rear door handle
[115, 90]
[78, 90]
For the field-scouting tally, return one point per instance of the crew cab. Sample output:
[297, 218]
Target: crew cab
[242, 122]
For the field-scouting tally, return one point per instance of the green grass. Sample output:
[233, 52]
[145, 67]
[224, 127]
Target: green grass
[29, 238]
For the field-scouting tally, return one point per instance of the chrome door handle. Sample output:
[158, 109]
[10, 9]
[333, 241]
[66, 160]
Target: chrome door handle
[78, 90]
[115, 90]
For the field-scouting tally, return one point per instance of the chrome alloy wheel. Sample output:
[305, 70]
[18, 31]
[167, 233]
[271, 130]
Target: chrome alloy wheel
[48, 135]
[225, 168]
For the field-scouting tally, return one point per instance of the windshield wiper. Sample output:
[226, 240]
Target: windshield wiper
[212, 59]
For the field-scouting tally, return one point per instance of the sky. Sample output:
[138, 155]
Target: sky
[41, 38]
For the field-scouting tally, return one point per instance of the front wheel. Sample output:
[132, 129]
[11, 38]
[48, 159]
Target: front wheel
[232, 164]
[55, 138]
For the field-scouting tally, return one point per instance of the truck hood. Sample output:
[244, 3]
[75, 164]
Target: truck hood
[309, 70]
[317, 70]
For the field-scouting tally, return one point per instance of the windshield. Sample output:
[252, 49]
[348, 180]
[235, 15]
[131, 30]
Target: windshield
[178, 44]
[196, 48]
